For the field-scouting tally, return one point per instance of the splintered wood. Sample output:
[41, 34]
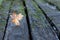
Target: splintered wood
[16, 18]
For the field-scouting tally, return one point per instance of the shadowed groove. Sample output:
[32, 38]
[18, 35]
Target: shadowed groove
[27, 19]
[7, 20]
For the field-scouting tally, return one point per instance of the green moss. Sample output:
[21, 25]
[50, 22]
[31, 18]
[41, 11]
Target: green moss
[3, 14]
[36, 6]
[1, 2]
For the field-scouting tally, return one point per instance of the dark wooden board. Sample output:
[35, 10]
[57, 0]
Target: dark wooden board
[52, 13]
[3, 16]
[40, 28]
[19, 32]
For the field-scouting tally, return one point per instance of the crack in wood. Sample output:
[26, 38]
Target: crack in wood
[7, 21]
[27, 19]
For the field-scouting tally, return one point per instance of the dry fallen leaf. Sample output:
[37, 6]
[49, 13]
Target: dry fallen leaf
[16, 17]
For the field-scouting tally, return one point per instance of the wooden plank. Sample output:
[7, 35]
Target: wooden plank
[19, 32]
[54, 2]
[40, 28]
[53, 14]
[3, 16]
[46, 4]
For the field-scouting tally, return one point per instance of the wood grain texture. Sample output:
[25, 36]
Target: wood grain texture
[19, 32]
[52, 13]
[54, 2]
[40, 28]
[3, 16]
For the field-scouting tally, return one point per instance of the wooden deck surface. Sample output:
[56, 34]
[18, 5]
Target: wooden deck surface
[40, 21]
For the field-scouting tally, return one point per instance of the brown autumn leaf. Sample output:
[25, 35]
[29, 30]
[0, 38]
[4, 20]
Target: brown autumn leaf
[16, 17]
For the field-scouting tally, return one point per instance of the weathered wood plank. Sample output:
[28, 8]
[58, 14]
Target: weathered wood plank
[52, 13]
[3, 16]
[54, 2]
[41, 30]
[19, 32]
[43, 2]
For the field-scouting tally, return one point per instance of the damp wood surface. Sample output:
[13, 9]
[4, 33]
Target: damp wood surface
[54, 2]
[52, 12]
[34, 25]
[40, 28]
[19, 32]
[4, 10]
